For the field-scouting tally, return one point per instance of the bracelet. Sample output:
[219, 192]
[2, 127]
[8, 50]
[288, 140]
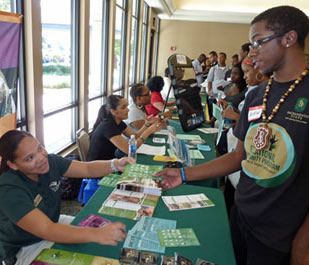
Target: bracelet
[142, 138]
[183, 175]
[113, 167]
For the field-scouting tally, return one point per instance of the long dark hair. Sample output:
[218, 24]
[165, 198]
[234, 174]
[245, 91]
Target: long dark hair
[8, 145]
[112, 102]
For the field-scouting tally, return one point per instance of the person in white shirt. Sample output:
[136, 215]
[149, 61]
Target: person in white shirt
[216, 76]
[198, 68]
[167, 84]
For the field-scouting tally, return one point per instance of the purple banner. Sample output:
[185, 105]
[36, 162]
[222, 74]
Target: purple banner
[9, 48]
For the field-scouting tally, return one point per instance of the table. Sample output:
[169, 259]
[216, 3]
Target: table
[210, 225]
[210, 155]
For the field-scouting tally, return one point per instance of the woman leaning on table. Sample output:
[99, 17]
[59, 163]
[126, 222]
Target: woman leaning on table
[107, 139]
[30, 199]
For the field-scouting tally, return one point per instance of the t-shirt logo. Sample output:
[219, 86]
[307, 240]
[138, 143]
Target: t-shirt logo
[273, 165]
[301, 104]
[54, 186]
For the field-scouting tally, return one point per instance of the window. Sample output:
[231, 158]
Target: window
[59, 59]
[119, 47]
[134, 41]
[98, 33]
[15, 6]
[144, 43]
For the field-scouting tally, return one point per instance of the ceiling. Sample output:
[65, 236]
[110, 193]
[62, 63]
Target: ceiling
[228, 11]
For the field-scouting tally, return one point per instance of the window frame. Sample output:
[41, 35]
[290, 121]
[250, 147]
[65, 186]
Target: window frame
[135, 17]
[144, 43]
[120, 90]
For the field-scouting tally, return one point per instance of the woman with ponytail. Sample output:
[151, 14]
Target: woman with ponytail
[30, 199]
[107, 141]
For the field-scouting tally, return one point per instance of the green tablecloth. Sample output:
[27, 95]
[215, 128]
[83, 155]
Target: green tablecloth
[210, 225]
[209, 155]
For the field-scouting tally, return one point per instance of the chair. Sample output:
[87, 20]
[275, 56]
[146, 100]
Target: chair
[88, 186]
[83, 142]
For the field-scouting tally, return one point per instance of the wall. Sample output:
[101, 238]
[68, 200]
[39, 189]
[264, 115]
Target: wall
[192, 38]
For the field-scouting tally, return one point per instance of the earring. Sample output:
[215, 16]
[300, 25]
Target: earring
[287, 46]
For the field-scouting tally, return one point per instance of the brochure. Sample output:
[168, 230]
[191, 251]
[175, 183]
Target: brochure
[143, 235]
[184, 202]
[178, 237]
[129, 204]
[51, 256]
[93, 221]
[140, 170]
[109, 180]
[147, 186]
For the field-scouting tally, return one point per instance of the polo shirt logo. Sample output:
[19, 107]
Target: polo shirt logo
[38, 198]
[54, 186]
[301, 104]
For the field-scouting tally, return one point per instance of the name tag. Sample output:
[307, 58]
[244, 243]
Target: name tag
[37, 200]
[254, 113]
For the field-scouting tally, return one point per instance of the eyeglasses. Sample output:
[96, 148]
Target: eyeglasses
[257, 44]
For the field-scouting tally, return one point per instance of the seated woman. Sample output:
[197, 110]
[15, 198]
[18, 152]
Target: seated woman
[137, 119]
[107, 141]
[30, 199]
[156, 106]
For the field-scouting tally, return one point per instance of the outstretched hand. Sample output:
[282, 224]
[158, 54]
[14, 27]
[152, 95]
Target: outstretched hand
[171, 178]
[121, 163]
[111, 234]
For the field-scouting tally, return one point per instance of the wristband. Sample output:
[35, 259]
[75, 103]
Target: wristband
[113, 167]
[183, 175]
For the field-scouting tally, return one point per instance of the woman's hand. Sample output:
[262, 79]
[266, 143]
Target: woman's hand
[111, 234]
[230, 114]
[121, 163]
[171, 178]
[150, 120]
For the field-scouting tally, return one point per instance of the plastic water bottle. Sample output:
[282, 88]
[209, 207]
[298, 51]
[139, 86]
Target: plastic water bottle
[132, 147]
[228, 122]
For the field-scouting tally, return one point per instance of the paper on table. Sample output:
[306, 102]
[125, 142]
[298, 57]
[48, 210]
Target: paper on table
[162, 132]
[217, 113]
[151, 150]
[208, 130]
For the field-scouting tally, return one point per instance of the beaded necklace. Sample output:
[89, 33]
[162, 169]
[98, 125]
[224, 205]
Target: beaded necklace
[263, 134]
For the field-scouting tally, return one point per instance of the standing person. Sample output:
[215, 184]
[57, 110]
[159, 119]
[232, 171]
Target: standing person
[244, 51]
[198, 68]
[216, 76]
[270, 220]
[213, 57]
[167, 85]
[107, 139]
[234, 62]
[30, 199]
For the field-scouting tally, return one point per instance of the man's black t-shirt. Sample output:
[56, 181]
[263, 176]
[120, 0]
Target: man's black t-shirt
[272, 194]
[101, 148]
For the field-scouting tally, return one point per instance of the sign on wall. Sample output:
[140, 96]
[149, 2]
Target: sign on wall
[10, 25]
